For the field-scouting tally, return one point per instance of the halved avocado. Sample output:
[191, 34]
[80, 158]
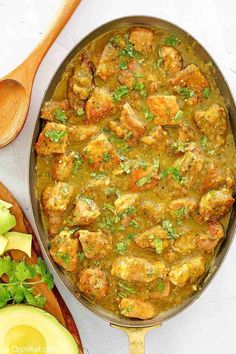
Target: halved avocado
[28, 329]
[3, 244]
[19, 241]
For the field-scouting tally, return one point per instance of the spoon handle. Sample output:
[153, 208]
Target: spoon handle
[26, 71]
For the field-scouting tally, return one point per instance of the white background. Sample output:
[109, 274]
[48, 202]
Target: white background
[209, 325]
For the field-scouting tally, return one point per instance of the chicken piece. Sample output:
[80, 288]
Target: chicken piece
[185, 244]
[213, 123]
[188, 270]
[158, 137]
[50, 109]
[131, 75]
[125, 207]
[190, 83]
[136, 308]
[207, 241]
[98, 106]
[56, 198]
[215, 178]
[142, 179]
[215, 204]
[100, 153]
[189, 167]
[93, 283]
[95, 245]
[172, 60]
[156, 238]
[182, 208]
[142, 39]
[126, 201]
[138, 269]
[79, 133]
[64, 250]
[161, 290]
[63, 165]
[130, 122]
[165, 109]
[108, 63]
[153, 211]
[85, 212]
[52, 139]
[80, 85]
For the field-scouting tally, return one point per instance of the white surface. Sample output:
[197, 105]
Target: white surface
[208, 326]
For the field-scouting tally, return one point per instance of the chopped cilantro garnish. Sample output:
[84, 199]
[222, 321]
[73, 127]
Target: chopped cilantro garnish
[160, 285]
[139, 86]
[179, 146]
[174, 172]
[186, 92]
[125, 290]
[179, 115]
[158, 63]
[180, 213]
[60, 115]
[77, 163]
[109, 206]
[168, 227]
[148, 115]
[144, 180]
[121, 92]
[123, 65]
[115, 40]
[80, 255]
[203, 142]
[158, 245]
[126, 166]
[156, 163]
[134, 224]
[106, 157]
[121, 247]
[55, 135]
[172, 40]
[206, 92]
[80, 111]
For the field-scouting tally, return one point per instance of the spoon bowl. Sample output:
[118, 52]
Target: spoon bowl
[15, 88]
[14, 105]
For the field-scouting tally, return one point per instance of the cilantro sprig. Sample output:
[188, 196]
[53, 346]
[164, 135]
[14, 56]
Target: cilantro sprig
[22, 278]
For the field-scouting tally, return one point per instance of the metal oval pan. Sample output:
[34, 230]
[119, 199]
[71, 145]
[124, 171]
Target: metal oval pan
[225, 92]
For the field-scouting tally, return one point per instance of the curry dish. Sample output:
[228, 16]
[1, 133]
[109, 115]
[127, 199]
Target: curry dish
[135, 171]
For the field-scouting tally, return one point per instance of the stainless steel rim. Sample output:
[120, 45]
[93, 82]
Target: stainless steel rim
[223, 249]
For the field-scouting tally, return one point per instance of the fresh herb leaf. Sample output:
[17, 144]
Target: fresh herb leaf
[179, 116]
[80, 111]
[60, 115]
[126, 167]
[203, 142]
[121, 247]
[172, 40]
[156, 164]
[55, 135]
[174, 172]
[206, 92]
[158, 245]
[134, 224]
[109, 207]
[80, 255]
[144, 180]
[106, 157]
[115, 40]
[121, 92]
[179, 146]
[125, 290]
[77, 163]
[123, 65]
[160, 285]
[148, 115]
[180, 213]
[168, 227]
[186, 92]
[139, 86]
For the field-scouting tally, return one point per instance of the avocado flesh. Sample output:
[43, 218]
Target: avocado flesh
[32, 330]
[7, 221]
[4, 205]
[3, 244]
[19, 241]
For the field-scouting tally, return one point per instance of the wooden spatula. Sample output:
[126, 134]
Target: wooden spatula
[16, 87]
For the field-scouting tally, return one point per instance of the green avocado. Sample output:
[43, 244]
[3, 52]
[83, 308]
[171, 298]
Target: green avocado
[28, 329]
[18, 241]
[7, 221]
[3, 244]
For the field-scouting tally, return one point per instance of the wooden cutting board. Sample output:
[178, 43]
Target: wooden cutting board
[54, 302]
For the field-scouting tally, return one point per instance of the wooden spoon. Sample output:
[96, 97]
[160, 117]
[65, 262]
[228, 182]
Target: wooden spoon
[16, 87]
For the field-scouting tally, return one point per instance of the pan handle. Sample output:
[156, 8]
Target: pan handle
[136, 337]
